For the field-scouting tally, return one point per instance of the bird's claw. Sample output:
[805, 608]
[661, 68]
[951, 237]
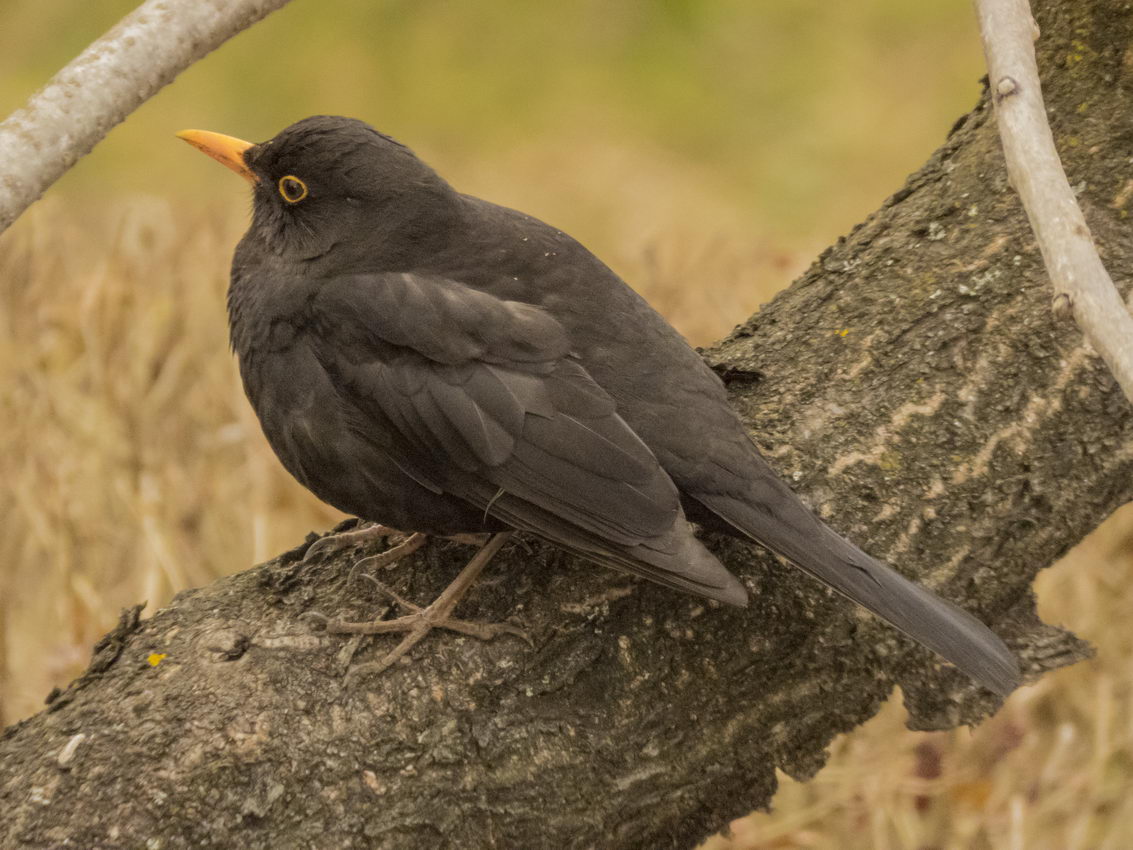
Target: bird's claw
[332, 543]
[417, 625]
[392, 594]
[391, 555]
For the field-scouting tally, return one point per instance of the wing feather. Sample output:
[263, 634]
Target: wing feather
[482, 398]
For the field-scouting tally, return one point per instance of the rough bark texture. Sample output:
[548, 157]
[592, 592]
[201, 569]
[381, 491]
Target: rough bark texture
[915, 387]
[1083, 285]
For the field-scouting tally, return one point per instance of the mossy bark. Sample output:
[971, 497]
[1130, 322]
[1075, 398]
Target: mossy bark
[913, 385]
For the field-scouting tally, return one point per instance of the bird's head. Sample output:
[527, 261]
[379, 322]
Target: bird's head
[338, 195]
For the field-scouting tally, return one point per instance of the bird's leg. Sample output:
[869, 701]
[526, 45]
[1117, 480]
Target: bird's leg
[393, 554]
[420, 621]
[354, 537]
[471, 539]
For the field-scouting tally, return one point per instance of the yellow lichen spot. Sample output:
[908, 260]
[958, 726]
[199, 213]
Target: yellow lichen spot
[155, 658]
[889, 461]
[843, 332]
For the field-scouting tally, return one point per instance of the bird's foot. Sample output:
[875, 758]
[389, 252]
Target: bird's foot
[420, 621]
[355, 537]
[391, 555]
[470, 539]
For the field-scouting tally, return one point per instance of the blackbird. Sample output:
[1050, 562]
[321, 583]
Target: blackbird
[437, 363]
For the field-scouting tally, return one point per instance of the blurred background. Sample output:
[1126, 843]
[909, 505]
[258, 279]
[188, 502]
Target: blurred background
[707, 149]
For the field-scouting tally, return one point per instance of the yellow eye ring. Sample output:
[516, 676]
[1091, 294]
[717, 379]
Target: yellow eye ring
[292, 189]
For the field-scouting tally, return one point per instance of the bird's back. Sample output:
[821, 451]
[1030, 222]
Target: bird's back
[662, 386]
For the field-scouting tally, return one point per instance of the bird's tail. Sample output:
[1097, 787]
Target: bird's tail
[774, 517]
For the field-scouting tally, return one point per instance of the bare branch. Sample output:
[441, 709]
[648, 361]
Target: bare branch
[1081, 283]
[108, 81]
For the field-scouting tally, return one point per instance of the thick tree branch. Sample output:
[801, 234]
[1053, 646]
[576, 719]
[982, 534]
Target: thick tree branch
[913, 385]
[1081, 283]
[108, 81]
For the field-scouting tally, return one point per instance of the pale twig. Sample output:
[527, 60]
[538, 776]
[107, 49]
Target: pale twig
[1081, 284]
[104, 84]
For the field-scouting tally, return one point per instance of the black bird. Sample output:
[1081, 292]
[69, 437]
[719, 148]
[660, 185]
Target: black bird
[437, 363]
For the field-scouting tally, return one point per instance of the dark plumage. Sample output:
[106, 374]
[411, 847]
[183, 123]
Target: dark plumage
[435, 362]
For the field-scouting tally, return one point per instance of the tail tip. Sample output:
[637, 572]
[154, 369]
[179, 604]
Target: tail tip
[1002, 676]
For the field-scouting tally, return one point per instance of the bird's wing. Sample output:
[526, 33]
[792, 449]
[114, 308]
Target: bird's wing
[488, 404]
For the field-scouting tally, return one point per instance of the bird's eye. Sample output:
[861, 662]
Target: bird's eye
[292, 189]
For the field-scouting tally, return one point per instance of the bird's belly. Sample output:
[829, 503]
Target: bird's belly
[317, 438]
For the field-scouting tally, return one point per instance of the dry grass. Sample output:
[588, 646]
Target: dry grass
[133, 468]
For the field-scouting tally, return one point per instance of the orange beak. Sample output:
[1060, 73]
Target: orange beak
[226, 150]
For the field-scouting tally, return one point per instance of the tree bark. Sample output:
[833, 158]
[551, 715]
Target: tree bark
[1082, 285]
[914, 386]
[139, 56]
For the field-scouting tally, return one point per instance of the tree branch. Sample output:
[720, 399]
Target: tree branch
[1082, 285]
[913, 385]
[108, 81]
